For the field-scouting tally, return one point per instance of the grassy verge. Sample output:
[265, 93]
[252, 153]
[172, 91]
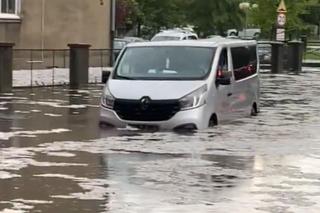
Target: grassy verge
[312, 56]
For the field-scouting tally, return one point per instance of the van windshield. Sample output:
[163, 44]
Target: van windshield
[165, 63]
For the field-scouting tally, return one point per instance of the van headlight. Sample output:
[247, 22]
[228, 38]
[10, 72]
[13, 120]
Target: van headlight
[107, 99]
[194, 99]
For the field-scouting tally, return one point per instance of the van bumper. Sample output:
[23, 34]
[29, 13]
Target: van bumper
[196, 117]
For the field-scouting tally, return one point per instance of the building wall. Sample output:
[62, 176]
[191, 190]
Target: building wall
[53, 24]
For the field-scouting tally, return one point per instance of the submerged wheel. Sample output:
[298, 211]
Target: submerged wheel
[104, 125]
[213, 121]
[254, 110]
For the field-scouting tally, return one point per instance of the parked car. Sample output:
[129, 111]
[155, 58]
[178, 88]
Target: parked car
[175, 35]
[182, 84]
[134, 39]
[264, 52]
[250, 33]
[214, 36]
[120, 43]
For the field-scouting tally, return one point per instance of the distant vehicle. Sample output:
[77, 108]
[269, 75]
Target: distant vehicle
[120, 43]
[250, 33]
[182, 84]
[175, 35]
[214, 36]
[134, 39]
[264, 52]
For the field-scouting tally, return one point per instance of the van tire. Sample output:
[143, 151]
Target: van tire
[104, 125]
[254, 110]
[213, 120]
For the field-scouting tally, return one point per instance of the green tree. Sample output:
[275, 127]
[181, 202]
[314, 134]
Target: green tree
[216, 16]
[265, 15]
[312, 15]
[213, 17]
[208, 17]
[155, 14]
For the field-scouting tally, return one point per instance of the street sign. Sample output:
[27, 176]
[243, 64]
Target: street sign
[281, 20]
[281, 34]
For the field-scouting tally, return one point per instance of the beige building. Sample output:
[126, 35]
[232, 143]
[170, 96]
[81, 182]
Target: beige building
[52, 24]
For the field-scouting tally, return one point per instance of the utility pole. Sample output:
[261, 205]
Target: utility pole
[112, 28]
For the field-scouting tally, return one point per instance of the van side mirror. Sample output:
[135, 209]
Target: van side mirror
[224, 79]
[105, 76]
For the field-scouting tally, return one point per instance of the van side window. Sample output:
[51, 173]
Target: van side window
[223, 63]
[244, 61]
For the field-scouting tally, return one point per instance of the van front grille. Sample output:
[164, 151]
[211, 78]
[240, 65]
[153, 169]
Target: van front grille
[154, 110]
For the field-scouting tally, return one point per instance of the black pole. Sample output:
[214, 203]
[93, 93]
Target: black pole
[112, 29]
[6, 64]
[79, 65]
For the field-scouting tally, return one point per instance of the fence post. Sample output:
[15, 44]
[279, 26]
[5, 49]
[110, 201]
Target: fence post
[277, 59]
[53, 66]
[31, 68]
[6, 60]
[64, 59]
[295, 56]
[79, 65]
[304, 39]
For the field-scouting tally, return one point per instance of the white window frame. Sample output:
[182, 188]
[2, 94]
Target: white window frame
[15, 15]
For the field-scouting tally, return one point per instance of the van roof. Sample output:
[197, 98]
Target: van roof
[211, 42]
[176, 31]
[173, 33]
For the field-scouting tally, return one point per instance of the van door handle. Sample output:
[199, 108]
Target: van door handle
[229, 94]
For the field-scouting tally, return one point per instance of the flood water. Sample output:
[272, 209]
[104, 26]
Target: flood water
[55, 158]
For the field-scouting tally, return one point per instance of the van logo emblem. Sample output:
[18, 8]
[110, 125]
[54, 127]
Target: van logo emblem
[145, 103]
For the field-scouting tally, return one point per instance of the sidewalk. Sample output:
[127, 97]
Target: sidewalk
[311, 63]
[49, 77]
[305, 64]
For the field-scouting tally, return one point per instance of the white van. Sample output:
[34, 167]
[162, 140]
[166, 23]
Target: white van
[175, 35]
[186, 84]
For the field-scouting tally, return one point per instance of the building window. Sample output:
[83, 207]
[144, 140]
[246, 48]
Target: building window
[10, 6]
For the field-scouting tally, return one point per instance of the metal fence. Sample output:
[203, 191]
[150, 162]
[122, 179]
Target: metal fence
[46, 67]
[312, 51]
[56, 58]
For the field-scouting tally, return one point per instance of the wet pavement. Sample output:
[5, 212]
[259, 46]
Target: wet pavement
[55, 158]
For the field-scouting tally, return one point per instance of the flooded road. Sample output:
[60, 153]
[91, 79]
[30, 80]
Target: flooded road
[55, 158]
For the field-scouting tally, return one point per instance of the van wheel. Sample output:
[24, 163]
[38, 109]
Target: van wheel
[213, 120]
[254, 110]
[104, 125]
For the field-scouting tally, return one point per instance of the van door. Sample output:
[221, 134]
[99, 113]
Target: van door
[224, 86]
